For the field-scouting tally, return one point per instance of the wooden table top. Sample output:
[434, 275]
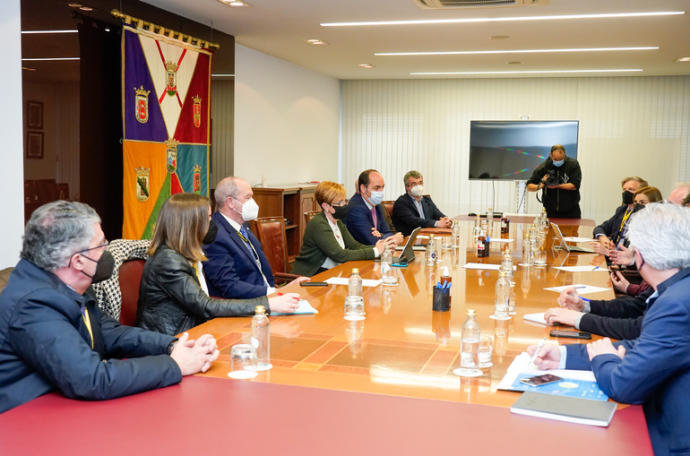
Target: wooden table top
[403, 348]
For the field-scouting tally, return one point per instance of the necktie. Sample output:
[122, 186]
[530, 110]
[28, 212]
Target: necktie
[373, 216]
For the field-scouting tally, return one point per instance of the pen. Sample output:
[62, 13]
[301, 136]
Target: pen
[585, 299]
[536, 352]
[579, 286]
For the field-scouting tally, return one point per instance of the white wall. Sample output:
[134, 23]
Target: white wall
[628, 126]
[11, 153]
[286, 120]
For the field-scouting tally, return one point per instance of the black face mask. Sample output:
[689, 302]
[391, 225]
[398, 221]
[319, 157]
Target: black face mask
[211, 233]
[340, 212]
[628, 197]
[104, 267]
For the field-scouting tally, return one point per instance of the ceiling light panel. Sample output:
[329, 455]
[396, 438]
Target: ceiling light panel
[468, 20]
[469, 73]
[520, 51]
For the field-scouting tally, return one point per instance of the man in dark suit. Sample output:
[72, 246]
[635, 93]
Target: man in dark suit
[412, 209]
[654, 369]
[365, 219]
[237, 266]
[54, 337]
[612, 231]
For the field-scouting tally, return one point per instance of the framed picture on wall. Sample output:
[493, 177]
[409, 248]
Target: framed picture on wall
[34, 114]
[34, 144]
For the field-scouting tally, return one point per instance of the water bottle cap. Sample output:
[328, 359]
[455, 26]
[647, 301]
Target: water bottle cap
[471, 312]
[258, 310]
[355, 270]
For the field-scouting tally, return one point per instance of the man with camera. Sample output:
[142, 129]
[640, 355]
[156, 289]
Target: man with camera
[559, 179]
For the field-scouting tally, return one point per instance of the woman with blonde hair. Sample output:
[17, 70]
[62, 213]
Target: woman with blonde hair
[646, 195]
[173, 296]
[327, 242]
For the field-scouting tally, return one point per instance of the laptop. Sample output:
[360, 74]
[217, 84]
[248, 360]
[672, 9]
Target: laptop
[407, 255]
[559, 242]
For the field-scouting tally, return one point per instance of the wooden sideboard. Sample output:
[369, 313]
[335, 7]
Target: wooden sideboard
[289, 201]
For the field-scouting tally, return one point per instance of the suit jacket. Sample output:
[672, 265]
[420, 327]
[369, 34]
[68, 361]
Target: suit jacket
[406, 217]
[231, 270]
[611, 226]
[319, 243]
[359, 221]
[172, 301]
[620, 318]
[45, 345]
[655, 371]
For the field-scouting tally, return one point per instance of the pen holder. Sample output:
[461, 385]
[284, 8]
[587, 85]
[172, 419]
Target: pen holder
[441, 300]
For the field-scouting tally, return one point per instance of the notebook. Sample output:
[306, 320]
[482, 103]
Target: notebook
[563, 408]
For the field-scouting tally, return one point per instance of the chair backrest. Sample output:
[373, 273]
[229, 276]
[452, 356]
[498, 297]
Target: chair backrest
[310, 215]
[130, 280]
[271, 233]
[388, 213]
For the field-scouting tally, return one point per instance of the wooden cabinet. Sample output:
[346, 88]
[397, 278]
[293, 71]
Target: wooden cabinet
[289, 201]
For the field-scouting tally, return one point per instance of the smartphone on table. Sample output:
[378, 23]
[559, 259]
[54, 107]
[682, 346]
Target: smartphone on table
[539, 380]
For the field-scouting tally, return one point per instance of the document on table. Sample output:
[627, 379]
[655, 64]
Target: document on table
[580, 288]
[303, 308]
[501, 240]
[580, 268]
[492, 267]
[536, 318]
[344, 281]
[577, 239]
[573, 383]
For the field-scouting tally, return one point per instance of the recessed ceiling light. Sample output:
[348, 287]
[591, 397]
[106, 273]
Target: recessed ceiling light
[234, 3]
[30, 32]
[368, 66]
[28, 68]
[466, 20]
[683, 59]
[74, 5]
[317, 42]
[85, 8]
[48, 59]
[522, 51]
[452, 73]
[500, 37]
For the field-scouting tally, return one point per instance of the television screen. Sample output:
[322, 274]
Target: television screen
[510, 150]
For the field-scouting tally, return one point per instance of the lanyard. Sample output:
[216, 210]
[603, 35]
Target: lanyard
[256, 256]
[87, 322]
[626, 216]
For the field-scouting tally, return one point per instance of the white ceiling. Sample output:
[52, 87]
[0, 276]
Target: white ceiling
[281, 27]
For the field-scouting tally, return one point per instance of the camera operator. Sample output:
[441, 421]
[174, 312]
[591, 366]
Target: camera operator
[559, 179]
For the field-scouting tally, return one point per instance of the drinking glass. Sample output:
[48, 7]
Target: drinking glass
[242, 361]
[540, 258]
[354, 308]
[486, 347]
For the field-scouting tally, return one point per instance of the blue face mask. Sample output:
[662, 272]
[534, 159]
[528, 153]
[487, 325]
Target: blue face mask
[558, 163]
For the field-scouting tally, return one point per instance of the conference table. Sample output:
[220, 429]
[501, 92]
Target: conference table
[383, 385]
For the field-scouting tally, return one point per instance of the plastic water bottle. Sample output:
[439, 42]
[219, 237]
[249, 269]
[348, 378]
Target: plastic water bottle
[502, 299]
[457, 233]
[354, 284]
[261, 338]
[469, 344]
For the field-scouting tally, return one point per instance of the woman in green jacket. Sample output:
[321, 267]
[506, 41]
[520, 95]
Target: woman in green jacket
[327, 242]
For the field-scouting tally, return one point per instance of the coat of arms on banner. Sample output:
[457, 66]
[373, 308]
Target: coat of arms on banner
[171, 78]
[171, 152]
[197, 111]
[197, 179]
[143, 190]
[141, 104]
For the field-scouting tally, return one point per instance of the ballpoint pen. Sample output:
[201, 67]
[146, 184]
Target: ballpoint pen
[536, 352]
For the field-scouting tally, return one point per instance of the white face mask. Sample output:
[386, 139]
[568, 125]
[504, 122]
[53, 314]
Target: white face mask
[250, 210]
[417, 190]
[376, 198]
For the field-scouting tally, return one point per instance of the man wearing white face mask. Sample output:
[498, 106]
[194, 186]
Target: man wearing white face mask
[237, 266]
[365, 219]
[413, 209]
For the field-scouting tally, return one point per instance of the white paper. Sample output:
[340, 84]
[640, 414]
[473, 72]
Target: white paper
[581, 289]
[577, 239]
[492, 267]
[580, 268]
[536, 318]
[501, 240]
[521, 365]
[302, 308]
[344, 281]
[422, 236]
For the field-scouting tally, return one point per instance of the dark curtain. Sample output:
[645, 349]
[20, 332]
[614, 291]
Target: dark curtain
[101, 122]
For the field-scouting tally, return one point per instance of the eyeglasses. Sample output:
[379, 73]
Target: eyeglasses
[339, 204]
[105, 244]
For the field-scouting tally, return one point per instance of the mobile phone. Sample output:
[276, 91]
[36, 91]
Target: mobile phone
[539, 380]
[570, 334]
[313, 284]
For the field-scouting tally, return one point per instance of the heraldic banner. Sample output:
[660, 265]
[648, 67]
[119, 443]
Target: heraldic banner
[166, 108]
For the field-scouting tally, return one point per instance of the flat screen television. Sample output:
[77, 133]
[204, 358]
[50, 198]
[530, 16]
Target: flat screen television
[510, 150]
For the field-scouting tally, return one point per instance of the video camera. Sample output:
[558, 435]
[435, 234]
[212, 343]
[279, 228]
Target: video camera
[553, 178]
